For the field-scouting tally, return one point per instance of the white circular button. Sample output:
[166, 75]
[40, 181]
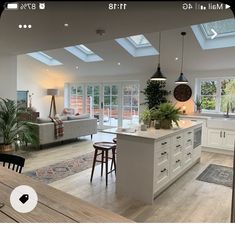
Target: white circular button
[23, 199]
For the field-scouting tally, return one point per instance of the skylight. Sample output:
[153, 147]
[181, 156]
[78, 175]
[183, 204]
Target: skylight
[139, 41]
[44, 58]
[137, 46]
[223, 27]
[207, 39]
[84, 53]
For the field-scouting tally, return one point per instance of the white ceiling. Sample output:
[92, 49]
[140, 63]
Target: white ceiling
[48, 33]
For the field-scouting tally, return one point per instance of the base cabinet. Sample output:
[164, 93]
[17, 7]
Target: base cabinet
[219, 138]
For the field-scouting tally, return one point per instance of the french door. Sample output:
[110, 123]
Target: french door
[113, 104]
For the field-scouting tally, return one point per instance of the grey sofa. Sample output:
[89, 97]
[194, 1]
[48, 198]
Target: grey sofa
[72, 129]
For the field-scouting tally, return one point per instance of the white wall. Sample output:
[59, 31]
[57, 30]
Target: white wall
[8, 67]
[36, 78]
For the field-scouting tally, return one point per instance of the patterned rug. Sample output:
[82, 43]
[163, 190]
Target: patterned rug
[51, 173]
[217, 174]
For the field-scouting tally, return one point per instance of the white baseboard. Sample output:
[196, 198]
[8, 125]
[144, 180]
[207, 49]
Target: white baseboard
[216, 150]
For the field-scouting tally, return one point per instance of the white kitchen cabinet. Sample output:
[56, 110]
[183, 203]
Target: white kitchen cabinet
[220, 138]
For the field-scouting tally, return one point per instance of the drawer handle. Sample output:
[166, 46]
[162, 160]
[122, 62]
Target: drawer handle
[163, 153]
[189, 140]
[177, 161]
[178, 145]
[189, 153]
[164, 143]
[189, 132]
[163, 170]
[178, 137]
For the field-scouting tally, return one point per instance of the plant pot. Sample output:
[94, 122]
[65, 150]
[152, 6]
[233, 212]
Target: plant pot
[166, 124]
[6, 148]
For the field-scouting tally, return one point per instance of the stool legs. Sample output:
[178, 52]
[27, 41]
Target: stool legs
[93, 166]
[106, 167]
[114, 159]
[102, 162]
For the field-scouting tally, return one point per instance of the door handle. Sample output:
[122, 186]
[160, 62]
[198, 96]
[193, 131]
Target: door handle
[102, 105]
[224, 134]
[220, 134]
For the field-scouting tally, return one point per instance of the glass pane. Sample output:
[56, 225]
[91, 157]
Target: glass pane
[135, 101]
[114, 90]
[79, 90]
[227, 101]
[106, 100]
[89, 90]
[106, 90]
[127, 100]
[135, 89]
[114, 100]
[221, 27]
[96, 90]
[96, 100]
[73, 91]
[127, 90]
[114, 113]
[139, 40]
[228, 87]
[208, 102]
[127, 113]
[208, 87]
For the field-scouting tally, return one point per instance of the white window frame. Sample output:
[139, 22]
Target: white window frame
[218, 92]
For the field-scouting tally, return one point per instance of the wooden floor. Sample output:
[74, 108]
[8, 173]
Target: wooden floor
[187, 200]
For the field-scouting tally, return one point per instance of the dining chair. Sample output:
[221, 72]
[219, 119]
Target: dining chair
[14, 162]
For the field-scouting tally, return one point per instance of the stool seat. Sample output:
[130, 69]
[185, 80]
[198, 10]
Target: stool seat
[104, 145]
[102, 149]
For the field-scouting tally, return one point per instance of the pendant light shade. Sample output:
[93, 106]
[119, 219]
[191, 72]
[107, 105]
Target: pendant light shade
[182, 79]
[158, 76]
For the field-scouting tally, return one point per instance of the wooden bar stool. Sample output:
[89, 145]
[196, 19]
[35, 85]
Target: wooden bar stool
[115, 140]
[103, 148]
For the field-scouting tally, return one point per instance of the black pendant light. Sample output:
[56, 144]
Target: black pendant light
[182, 79]
[158, 76]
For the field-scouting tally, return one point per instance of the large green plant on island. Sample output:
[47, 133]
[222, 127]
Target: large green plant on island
[13, 131]
[166, 113]
[155, 93]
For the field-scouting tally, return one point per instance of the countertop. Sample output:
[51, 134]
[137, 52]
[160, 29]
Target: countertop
[153, 133]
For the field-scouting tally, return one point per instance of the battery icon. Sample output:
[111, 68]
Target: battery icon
[12, 6]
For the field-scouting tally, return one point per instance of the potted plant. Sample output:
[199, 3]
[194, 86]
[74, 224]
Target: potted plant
[13, 131]
[146, 116]
[166, 113]
[198, 104]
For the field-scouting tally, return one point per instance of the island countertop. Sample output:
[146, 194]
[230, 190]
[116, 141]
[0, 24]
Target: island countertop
[156, 134]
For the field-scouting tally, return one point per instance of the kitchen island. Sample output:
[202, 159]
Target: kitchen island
[149, 161]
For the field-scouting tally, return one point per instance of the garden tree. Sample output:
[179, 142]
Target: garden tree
[228, 92]
[155, 93]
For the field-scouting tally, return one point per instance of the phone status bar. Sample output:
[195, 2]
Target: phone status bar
[25, 6]
[204, 6]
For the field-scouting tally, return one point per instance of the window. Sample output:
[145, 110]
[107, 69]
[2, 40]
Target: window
[44, 58]
[139, 41]
[217, 94]
[137, 46]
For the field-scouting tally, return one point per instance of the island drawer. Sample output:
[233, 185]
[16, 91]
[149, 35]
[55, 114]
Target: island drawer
[162, 156]
[161, 176]
[159, 145]
[188, 135]
[188, 157]
[188, 144]
[176, 164]
[178, 140]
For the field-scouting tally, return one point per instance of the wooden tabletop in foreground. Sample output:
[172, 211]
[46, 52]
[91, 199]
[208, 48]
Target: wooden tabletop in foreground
[53, 204]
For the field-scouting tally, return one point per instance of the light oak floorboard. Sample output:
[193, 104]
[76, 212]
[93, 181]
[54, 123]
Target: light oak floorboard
[187, 200]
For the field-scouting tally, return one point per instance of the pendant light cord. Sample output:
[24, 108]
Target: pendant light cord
[159, 47]
[182, 54]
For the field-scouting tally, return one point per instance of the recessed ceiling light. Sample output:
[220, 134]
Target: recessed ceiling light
[66, 25]
[118, 63]
[77, 67]
[176, 59]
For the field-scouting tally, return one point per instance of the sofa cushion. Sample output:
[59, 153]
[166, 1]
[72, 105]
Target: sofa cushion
[80, 116]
